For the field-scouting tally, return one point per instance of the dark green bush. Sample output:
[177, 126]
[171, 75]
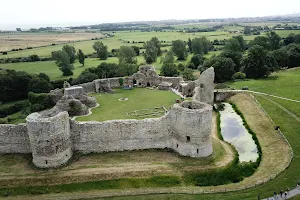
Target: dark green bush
[39, 102]
[239, 75]
[6, 110]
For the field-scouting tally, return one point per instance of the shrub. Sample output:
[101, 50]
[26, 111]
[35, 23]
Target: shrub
[39, 85]
[121, 81]
[39, 101]
[3, 121]
[221, 86]
[6, 110]
[239, 75]
[85, 78]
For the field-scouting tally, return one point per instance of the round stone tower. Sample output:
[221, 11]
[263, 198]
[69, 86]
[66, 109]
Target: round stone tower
[50, 141]
[191, 123]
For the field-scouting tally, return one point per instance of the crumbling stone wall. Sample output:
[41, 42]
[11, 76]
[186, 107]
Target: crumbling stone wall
[190, 128]
[88, 87]
[14, 139]
[49, 139]
[204, 90]
[169, 131]
[119, 135]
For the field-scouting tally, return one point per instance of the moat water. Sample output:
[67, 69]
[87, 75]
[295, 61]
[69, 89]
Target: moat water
[234, 132]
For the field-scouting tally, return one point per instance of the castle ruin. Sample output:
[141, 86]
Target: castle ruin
[52, 137]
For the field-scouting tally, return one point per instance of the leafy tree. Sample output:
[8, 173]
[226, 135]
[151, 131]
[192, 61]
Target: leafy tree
[157, 45]
[201, 45]
[108, 70]
[181, 67]
[85, 78]
[235, 56]
[233, 45]
[70, 50]
[187, 75]
[281, 56]
[169, 69]
[63, 62]
[289, 39]
[206, 45]
[101, 50]
[137, 50]
[274, 40]
[247, 30]
[179, 49]
[127, 55]
[197, 60]
[13, 85]
[127, 69]
[293, 53]
[169, 57]
[34, 58]
[81, 57]
[257, 64]
[44, 76]
[151, 52]
[189, 43]
[39, 85]
[261, 41]
[239, 75]
[197, 46]
[224, 68]
[241, 41]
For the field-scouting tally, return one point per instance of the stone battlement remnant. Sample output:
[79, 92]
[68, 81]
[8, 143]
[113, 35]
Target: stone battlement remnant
[52, 137]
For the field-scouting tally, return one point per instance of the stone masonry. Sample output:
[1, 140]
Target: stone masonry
[52, 136]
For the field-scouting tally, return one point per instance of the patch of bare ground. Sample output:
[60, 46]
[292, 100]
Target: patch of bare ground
[10, 41]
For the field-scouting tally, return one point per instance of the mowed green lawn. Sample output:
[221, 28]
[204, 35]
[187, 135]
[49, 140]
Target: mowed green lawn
[285, 83]
[51, 69]
[139, 98]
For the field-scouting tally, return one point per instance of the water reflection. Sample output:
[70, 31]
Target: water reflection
[235, 133]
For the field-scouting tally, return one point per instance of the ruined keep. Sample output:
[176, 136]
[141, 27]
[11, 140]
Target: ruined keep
[52, 137]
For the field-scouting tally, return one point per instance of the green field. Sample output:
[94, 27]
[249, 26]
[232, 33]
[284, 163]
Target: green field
[51, 69]
[285, 83]
[139, 98]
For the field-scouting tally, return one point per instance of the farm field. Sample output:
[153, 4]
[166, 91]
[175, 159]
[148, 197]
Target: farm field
[139, 98]
[51, 69]
[122, 38]
[23, 40]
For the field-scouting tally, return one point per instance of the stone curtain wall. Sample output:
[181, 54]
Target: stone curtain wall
[119, 135]
[115, 83]
[14, 139]
[187, 131]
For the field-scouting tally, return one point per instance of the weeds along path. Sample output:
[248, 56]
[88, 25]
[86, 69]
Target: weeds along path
[277, 155]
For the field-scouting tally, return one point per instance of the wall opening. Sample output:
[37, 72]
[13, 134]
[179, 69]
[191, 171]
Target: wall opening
[148, 84]
[197, 151]
[140, 83]
[177, 145]
[46, 161]
[188, 139]
[134, 81]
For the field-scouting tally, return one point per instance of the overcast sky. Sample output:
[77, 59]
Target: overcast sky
[36, 13]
